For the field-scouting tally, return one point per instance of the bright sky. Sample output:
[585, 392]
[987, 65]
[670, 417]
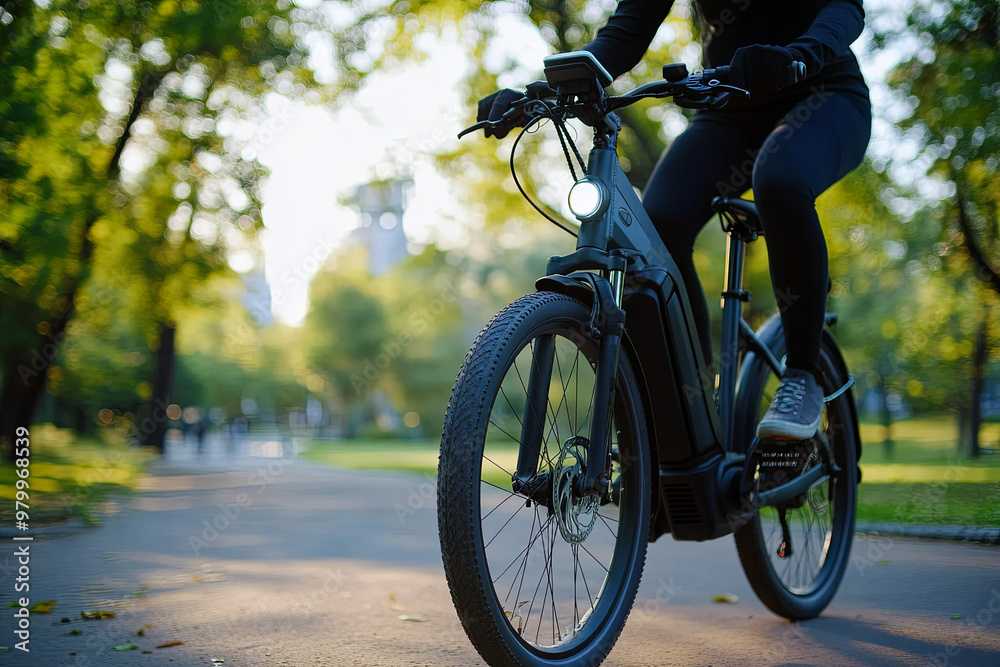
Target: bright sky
[392, 128]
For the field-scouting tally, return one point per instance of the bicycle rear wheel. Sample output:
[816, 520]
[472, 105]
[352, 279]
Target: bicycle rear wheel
[551, 580]
[820, 523]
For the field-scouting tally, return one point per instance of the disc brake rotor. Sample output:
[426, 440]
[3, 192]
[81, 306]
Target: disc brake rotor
[574, 516]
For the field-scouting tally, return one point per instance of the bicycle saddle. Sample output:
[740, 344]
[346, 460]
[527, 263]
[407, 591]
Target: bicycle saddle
[741, 213]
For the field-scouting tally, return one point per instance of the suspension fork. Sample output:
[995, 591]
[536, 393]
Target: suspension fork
[534, 410]
[610, 293]
[608, 324]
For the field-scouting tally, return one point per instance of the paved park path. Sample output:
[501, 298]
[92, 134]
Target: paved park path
[271, 561]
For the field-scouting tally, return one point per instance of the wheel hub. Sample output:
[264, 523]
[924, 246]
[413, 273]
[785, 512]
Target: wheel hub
[575, 516]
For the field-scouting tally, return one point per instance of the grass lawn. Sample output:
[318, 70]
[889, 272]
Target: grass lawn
[920, 480]
[955, 503]
[70, 476]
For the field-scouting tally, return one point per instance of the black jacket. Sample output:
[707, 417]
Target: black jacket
[821, 30]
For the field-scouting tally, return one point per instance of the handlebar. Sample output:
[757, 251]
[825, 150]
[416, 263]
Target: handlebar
[791, 74]
[708, 89]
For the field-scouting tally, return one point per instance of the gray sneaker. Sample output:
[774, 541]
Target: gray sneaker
[797, 408]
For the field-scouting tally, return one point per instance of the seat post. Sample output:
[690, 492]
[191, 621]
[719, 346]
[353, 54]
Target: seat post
[732, 312]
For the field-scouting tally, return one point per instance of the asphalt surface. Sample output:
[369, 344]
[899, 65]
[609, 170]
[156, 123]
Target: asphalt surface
[272, 561]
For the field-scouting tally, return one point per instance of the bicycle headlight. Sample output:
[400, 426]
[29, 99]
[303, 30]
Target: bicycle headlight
[588, 199]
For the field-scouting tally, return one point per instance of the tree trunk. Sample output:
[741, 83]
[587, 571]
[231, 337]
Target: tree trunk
[884, 368]
[885, 415]
[963, 428]
[976, 399]
[23, 385]
[26, 370]
[163, 386]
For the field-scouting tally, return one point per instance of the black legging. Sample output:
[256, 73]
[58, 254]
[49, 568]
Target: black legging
[790, 156]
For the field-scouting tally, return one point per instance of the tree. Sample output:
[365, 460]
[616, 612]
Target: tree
[155, 84]
[951, 82]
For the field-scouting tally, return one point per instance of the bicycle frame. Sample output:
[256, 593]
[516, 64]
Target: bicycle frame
[701, 457]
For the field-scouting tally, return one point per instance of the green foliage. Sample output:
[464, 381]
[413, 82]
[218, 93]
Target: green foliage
[124, 177]
[73, 476]
[950, 87]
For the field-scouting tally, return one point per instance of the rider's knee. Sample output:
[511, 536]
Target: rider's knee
[774, 183]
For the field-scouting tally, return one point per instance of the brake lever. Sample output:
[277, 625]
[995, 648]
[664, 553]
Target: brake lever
[481, 125]
[515, 109]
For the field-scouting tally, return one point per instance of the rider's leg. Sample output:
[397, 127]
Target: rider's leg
[712, 157]
[819, 141]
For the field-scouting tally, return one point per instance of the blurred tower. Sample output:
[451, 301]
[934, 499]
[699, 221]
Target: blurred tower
[382, 204]
[256, 295]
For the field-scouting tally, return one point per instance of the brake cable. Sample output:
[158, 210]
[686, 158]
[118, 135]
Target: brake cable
[564, 137]
[513, 172]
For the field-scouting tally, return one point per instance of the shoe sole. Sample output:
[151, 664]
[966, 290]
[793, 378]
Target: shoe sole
[785, 431]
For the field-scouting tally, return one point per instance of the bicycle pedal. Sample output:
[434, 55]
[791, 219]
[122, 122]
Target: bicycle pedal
[785, 456]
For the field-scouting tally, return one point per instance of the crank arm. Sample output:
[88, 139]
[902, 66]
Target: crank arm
[791, 489]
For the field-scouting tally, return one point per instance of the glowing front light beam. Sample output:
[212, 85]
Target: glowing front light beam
[586, 198]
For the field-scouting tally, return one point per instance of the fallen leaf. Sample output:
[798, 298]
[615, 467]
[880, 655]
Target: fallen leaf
[217, 660]
[72, 633]
[397, 607]
[43, 607]
[885, 561]
[65, 619]
[198, 577]
[149, 626]
[166, 644]
[956, 616]
[3, 649]
[726, 597]
[126, 647]
[147, 651]
[96, 615]
[415, 619]
[14, 604]
[392, 596]
[141, 632]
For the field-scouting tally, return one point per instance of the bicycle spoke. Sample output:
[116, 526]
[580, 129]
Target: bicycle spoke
[605, 522]
[487, 545]
[519, 421]
[512, 495]
[542, 578]
[596, 559]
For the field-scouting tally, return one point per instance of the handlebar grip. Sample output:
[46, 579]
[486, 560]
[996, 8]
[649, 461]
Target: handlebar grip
[721, 74]
[792, 74]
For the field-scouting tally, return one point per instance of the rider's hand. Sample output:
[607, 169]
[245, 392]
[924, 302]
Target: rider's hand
[761, 68]
[493, 107]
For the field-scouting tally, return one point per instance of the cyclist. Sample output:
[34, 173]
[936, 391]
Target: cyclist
[790, 143]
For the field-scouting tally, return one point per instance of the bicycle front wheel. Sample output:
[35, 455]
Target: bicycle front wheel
[799, 583]
[548, 579]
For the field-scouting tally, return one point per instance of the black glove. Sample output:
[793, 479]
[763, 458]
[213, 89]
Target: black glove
[762, 68]
[493, 107]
